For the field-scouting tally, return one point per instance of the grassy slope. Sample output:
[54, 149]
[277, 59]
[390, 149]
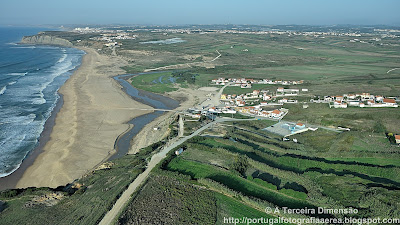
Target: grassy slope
[86, 205]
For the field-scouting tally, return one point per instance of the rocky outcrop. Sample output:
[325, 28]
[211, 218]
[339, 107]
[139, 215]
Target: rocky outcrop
[41, 39]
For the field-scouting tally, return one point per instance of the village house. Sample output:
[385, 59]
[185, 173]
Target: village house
[389, 101]
[283, 100]
[300, 126]
[397, 138]
[378, 98]
[286, 92]
[351, 96]
[338, 104]
[264, 114]
[360, 100]
[266, 97]
[223, 96]
[276, 113]
[245, 86]
[339, 98]
[241, 81]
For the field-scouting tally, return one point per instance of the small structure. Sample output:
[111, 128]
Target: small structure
[397, 138]
[389, 101]
[294, 128]
[179, 151]
[300, 126]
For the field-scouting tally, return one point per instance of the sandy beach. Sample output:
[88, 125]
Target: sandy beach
[93, 115]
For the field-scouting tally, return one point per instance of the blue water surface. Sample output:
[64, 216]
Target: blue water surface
[30, 77]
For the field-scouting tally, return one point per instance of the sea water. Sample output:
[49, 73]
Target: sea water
[30, 76]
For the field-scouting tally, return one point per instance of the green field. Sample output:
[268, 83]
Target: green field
[154, 82]
[293, 174]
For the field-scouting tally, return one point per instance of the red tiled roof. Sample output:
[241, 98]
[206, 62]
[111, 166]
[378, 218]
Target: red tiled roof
[397, 137]
[276, 111]
[300, 124]
[388, 100]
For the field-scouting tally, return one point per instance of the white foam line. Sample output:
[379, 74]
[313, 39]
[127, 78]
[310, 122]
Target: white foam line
[24, 47]
[18, 74]
[3, 90]
[62, 59]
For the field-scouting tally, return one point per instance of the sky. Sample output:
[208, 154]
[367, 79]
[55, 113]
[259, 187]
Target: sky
[171, 12]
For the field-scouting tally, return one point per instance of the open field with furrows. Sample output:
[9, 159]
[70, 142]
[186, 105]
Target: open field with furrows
[171, 198]
[370, 121]
[260, 170]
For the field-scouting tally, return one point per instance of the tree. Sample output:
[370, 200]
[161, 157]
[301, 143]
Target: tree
[240, 164]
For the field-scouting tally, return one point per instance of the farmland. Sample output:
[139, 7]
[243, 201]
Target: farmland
[252, 169]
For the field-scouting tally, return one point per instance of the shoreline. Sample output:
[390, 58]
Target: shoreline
[86, 127]
[23, 177]
[10, 181]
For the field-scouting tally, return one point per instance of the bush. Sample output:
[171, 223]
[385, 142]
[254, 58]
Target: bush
[241, 164]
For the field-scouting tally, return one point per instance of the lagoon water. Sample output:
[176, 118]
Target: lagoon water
[166, 41]
[30, 77]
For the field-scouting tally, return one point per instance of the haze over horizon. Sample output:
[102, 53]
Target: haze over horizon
[177, 12]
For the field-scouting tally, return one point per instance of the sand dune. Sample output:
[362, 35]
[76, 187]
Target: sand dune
[87, 125]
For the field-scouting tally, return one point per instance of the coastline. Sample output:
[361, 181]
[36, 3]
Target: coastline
[43, 166]
[86, 127]
[10, 181]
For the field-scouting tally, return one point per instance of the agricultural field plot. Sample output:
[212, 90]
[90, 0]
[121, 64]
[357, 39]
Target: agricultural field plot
[171, 198]
[310, 173]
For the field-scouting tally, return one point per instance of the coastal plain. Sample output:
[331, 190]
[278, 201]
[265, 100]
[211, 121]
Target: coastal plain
[234, 168]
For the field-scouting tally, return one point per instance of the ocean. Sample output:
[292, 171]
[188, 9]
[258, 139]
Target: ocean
[30, 77]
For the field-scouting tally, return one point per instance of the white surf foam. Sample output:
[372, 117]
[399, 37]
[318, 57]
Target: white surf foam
[38, 101]
[3, 90]
[62, 59]
[41, 84]
[25, 47]
[17, 74]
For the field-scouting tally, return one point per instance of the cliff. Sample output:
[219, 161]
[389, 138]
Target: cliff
[41, 39]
